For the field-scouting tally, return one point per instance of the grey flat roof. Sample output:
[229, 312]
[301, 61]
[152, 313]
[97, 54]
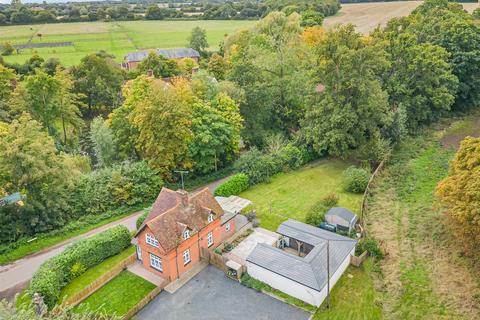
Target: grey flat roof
[343, 213]
[310, 270]
[176, 53]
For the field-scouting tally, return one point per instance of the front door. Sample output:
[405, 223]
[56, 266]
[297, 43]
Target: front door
[139, 253]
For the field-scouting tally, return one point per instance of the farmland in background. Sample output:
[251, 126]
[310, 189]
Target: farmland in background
[117, 38]
[366, 16]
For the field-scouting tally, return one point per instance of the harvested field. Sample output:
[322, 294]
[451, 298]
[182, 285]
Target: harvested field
[366, 16]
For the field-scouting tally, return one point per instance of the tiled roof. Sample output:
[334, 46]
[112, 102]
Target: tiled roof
[175, 211]
[177, 53]
[310, 270]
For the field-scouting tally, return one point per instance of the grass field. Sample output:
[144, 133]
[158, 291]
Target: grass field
[117, 38]
[366, 16]
[117, 296]
[291, 195]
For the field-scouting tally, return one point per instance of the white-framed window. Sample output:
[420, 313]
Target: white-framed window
[210, 239]
[210, 218]
[156, 262]
[186, 256]
[186, 234]
[151, 240]
[227, 227]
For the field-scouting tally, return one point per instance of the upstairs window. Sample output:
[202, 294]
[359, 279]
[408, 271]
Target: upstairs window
[210, 239]
[151, 240]
[210, 218]
[186, 235]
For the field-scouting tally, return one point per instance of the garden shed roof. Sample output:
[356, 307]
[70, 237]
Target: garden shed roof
[343, 213]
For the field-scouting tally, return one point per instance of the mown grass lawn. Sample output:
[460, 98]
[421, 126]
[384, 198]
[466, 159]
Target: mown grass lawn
[118, 295]
[292, 194]
[353, 298]
[94, 273]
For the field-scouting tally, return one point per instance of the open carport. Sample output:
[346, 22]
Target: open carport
[211, 295]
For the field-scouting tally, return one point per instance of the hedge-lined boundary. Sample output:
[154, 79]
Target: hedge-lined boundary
[55, 273]
[100, 282]
[233, 186]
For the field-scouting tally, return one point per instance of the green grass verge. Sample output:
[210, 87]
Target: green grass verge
[93, 274]
[353, 298]
[118, 295]
[292, 194]
[46, 240]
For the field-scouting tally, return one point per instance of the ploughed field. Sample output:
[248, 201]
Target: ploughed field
[366, 16]
[117, 38]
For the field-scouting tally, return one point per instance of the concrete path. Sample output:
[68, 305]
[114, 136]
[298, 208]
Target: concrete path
[138, 269]
[173, 286]
[16, 275]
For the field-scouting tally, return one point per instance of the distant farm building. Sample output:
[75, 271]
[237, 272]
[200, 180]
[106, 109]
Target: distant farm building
[132, 59]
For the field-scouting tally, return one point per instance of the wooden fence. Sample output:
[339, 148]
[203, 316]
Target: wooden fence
[366, 194]
[357, 261]
[100, 282]
[142, 303]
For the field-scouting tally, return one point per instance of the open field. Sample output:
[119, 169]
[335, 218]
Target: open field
[292, 194]
[117, 38]
[366, 16]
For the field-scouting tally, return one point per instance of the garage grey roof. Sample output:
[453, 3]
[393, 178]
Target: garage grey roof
[310, 270]
[343, 213]
[176, 53]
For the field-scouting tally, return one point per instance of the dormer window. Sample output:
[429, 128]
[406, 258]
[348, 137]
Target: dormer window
[186, 235]
[210, 218]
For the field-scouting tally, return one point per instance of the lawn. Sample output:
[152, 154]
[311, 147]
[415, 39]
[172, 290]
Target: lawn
[46, 240]
[118, 295]
[292, 194]
[117, 38]
[353, 298]
[94, 273]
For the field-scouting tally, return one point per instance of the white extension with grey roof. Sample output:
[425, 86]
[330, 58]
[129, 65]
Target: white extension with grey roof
[302, 277]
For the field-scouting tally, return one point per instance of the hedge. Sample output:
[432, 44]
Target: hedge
[55, 273]
[356, 179]
[233, 186]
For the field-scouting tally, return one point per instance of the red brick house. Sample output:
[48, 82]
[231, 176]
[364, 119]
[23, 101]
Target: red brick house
[170, 240]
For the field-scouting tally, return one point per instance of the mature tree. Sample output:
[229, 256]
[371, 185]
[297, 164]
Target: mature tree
[448, 25]
[154, 13]
[8, 79]
[217, 66]
[216, 127]
[351, 107]
[30, 164]
[198, 39]
[420, 79]
[459, 194]
[163, 120]
[99, 80]
[103, 142]
[159, 65]
[186, 66]
[271, 64]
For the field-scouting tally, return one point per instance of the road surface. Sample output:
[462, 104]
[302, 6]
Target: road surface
[16, 275]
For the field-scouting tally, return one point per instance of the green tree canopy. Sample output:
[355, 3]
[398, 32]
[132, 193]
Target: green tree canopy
[103, 142]
[161, 66]
[198, 39]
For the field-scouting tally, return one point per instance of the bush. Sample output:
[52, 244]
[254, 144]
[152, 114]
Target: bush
[253, 283]
[316, 213]
[55, 273]
[330, 200]
[371, 246]
[233, 186]
[356, 179]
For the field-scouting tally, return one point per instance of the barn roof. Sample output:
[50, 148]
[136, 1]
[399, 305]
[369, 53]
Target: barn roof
[343, 213]
[310, 270]
[176, 53]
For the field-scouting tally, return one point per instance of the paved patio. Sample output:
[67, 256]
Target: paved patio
[138, 269]
[243, 249]
[211, 295]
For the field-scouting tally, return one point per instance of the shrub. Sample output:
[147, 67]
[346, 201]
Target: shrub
[233, 186]
[330, 200]
[371, 246]
[355, 179]
[253, 283]
[316, 214]
[291, 157]
[57, 272]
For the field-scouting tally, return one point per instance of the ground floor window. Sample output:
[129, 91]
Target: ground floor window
[156, 262]
[186, 256]
[210, 239]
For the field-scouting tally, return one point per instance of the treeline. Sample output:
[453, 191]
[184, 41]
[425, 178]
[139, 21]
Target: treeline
[223, 10]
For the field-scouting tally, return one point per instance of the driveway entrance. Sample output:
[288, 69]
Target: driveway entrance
[211, 295]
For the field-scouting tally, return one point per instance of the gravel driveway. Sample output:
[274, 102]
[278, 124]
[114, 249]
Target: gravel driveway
[211, 295]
